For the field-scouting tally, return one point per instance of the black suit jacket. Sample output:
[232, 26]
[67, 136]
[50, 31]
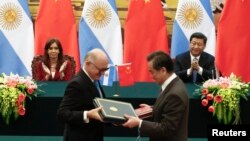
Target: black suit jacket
[183, 63]
[78, 97]
[170, 115]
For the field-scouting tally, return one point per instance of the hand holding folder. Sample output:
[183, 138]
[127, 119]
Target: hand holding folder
[113, 111]
[144, 112]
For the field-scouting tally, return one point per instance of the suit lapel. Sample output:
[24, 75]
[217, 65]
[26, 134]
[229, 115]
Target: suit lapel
[91, 86]
[164, 94]
[203, 59]
[187, 60]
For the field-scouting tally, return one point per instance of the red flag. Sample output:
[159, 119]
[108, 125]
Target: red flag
[145, 32]
[125, 75]
[56, 19]
[233, 39]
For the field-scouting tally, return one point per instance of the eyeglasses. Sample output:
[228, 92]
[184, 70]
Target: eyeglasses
[99, 69]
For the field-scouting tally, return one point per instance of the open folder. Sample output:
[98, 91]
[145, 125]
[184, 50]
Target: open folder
[113, 111]
[144, 112]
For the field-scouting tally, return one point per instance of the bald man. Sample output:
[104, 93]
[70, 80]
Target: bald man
[81, 118]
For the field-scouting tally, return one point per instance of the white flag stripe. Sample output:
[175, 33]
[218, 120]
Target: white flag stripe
[100, 27]
[192, 16]
[206, 26]
[105, 77]
[112, 27]
[19, 35]
[22, 47]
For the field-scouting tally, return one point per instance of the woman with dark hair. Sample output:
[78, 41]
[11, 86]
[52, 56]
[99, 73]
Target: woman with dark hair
[53, 66]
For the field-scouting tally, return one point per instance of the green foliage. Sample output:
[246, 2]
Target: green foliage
[13, 93]
[227, 93]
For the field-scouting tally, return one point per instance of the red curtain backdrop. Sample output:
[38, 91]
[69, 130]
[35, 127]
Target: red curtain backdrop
[56, 19]
[145, 32]
[233, 40]
[125, 75]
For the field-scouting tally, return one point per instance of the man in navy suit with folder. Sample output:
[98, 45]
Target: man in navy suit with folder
[195, 65]
[77, 111]
[169, 120]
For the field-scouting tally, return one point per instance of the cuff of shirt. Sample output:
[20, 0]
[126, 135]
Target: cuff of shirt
[200, 70]
[188, 72]
[140, 124]
[85, 118]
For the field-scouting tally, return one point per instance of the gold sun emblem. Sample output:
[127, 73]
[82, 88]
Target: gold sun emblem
[99, 14]
[10, 16]
[190, 15]
[114, 109]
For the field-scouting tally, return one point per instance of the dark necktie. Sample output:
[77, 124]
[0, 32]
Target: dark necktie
[195, 71]
[98, 88]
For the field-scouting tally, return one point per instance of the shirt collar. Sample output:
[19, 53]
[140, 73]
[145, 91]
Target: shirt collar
[192, 57]
[87, 74]
[167, 81]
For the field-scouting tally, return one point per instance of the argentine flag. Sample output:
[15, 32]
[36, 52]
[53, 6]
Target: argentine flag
[192, 16]
[16, 37]
[100, 27]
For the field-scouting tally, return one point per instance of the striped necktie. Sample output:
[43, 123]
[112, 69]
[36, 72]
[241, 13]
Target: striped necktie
[97, 84]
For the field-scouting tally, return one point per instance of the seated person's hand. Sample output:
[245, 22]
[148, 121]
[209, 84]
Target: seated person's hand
[94, 114]
[195, 66]
[46, 70]
[63, 67]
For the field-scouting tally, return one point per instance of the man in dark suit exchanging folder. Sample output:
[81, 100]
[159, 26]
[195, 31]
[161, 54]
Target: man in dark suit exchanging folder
[77, 111]
[169, 120]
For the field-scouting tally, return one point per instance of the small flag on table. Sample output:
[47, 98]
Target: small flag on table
[125, 74]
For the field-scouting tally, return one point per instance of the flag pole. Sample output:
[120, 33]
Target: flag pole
[116, 83]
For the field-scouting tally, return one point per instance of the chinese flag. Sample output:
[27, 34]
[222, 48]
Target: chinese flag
[56, 19]
[125, 75]
[145, 32]
[233, 40]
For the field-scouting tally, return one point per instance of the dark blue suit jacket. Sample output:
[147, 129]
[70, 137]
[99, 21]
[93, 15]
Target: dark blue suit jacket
[183, 63]
[78, 97]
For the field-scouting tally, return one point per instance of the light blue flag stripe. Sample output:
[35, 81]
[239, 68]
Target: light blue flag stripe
[9, 61]
[17, 39]
[180, 42]
[25, 7]
[207, 6]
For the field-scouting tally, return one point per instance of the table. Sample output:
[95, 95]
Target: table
[40, 118]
